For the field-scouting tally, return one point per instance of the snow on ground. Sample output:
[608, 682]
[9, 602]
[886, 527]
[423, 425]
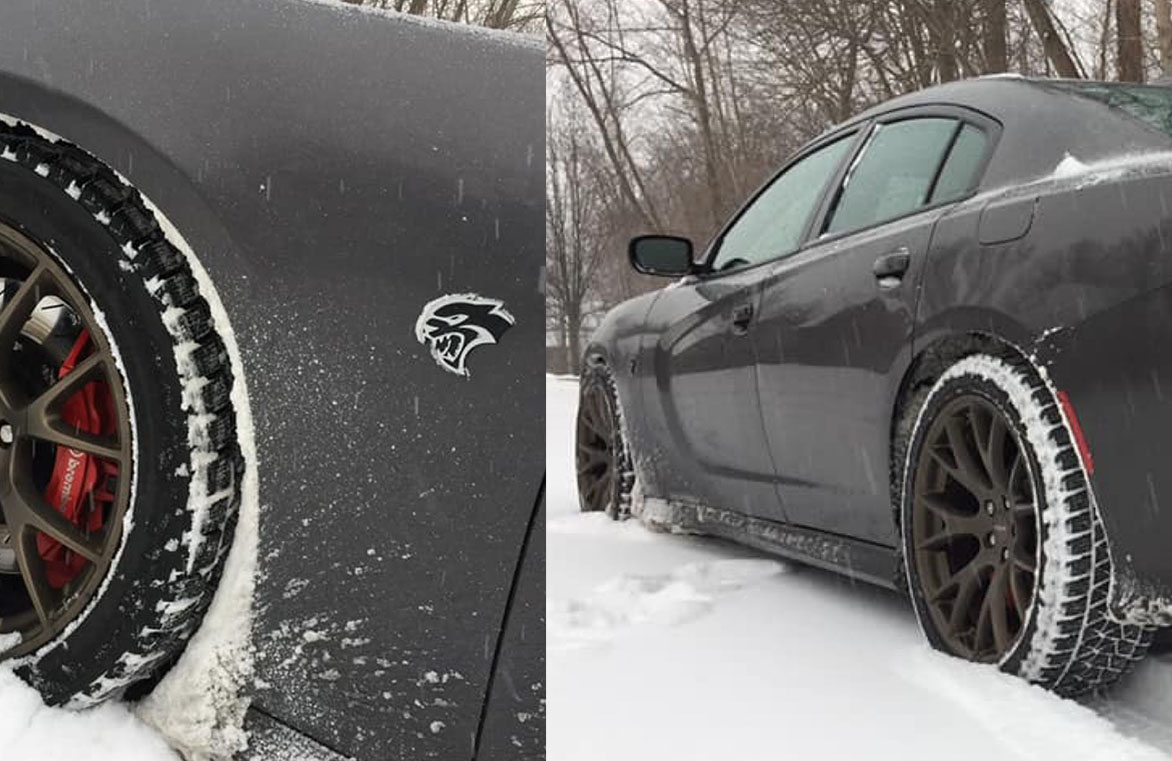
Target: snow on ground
[110, 733]
[676, 647]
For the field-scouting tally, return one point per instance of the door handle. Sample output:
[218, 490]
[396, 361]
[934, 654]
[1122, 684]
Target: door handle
[742, 316]
[889, 269]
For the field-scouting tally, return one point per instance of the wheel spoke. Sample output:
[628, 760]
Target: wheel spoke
[994, 452]
[594, 427]
[1022, 591]
[956, 522]
[1015, 473]
[941, 540]
[18, 307]
[968, 470]
[590, 458]
[606, 490]
[592, 490]
[1025, 563]
[996, 600]
[968, 583]
[24, 507]
[1022, 510]
[984, 628]
[91, 368]
[32, 572]
[106, 447]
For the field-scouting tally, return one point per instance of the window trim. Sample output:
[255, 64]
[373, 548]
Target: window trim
[963, 115]
[850, 132]
[858, 131]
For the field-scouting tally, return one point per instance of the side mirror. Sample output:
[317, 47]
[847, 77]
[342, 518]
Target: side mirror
[663, 255]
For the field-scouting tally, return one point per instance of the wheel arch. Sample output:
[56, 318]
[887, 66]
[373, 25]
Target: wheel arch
[595, 354]
[930, 361]
[927, 364]
[123, 148]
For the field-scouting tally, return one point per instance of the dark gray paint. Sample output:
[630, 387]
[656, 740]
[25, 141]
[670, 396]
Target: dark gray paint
[1075, 274]
[335, 171]
[512, 728]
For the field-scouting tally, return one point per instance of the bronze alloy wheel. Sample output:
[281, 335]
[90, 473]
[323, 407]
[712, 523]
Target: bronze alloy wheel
[975, 529]
[51, 563]
[595, 449]
[106, 568]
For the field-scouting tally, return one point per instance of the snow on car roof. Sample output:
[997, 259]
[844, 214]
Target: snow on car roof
[496, 35]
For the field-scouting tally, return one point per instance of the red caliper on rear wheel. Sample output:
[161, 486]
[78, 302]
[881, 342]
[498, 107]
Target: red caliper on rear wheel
[81, 486]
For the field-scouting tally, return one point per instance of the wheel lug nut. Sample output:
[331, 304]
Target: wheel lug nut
[989, 507]
[992, 539]
[7, 435]
[1004, 554]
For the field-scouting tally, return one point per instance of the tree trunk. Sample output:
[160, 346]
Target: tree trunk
[695, 62]
[993, 37]
[574, 330]
[1164, 35]
[605, 115]
[1130, 57]
[1056, 51]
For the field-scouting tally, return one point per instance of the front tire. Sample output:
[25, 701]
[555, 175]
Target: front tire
[605, 476]
[1006, 559]
[88, 629]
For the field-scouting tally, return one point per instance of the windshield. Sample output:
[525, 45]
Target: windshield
[1151, 105]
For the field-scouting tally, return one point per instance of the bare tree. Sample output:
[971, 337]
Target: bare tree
[597, 81]
[993, 36]
[1130, 41]
[515, 15]
[1057, 52]
[573, 219]
[1164, 35]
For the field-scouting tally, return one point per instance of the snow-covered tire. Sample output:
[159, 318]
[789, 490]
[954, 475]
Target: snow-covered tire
[177, 377]
[605, 476]
[1068, 641]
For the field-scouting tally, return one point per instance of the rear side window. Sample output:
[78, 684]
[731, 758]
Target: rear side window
[894, 173]
[959, 173]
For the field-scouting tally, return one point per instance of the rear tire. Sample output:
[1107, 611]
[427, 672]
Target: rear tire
[994, 424]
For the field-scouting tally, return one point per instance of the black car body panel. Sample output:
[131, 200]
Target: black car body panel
[1067, 264]
[335, 171]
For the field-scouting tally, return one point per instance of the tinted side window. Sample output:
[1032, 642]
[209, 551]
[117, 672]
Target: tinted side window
[772, 225]
[894, 173]
[960, 169]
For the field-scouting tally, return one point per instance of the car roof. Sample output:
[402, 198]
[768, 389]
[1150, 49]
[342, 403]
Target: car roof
[1041, 125]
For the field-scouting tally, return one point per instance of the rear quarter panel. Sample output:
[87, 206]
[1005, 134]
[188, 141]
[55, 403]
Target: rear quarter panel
[335, 171]
[1085, 293]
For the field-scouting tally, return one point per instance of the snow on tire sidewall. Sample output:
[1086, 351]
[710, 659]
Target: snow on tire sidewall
[200, 704]
[1046, 607]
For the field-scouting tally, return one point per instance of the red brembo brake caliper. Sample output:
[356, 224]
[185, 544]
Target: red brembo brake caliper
[81, 486]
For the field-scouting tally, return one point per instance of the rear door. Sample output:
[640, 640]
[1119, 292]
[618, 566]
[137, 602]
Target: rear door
[835, 328]
[704, 404]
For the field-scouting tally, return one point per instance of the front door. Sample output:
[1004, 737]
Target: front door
[706, 389]
[704, 405]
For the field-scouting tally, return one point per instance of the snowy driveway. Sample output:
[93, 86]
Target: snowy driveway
[691, 649]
